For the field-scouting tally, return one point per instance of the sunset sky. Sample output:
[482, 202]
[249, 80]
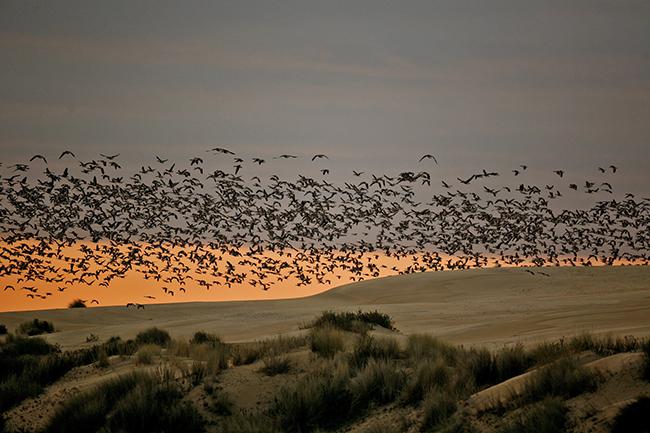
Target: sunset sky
[373, 84]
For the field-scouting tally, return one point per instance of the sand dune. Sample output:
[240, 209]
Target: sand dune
[486, 306]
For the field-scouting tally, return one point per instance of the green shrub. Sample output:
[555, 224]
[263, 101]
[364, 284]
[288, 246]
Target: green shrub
[633, 418]
[354, 322]
[427, 376]
[3, 331]
[326, 341]
[378, 382]
[153, 336]
[563, 378]
[35, 327]
[547, 416]
[276, 364]
[368, 347]
[146, 354]
[77, 303]
[437, 408]
[201, 337]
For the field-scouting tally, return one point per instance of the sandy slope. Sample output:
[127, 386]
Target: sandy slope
[485, 306]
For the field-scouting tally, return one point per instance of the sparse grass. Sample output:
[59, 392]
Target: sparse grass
[369, 347]
[421, 346]
[427, 376]
[92, 338]
[326, 341]
[360, 321]
[316, 401]
[35, 327]
[247, 353]
[180, 348]
[604, 345]
[276, 364]
[146, 354]
[633, 418]
[102, 359]
[646, 360]
[153, 336]
[77, 303]
[547, 416]
[563, 378]
[221, 404]
[257, 423]
[198, 372]
[437, 408]
[379, 381]
[383, 427]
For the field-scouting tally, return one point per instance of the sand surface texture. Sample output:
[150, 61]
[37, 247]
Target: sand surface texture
[490, 307]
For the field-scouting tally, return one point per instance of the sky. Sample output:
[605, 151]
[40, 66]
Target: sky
[373, 84]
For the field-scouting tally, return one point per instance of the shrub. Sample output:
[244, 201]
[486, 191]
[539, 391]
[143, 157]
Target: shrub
[198, 371]
[102, 358]
[246, 353]
[15, 389]
[92, 338]
[215, 356]
[548, 416]
[563, 378]
[326, 341]
[437, 408]
[3, 331]
[428, 375]
[368, 347]
[153, 336]
[353, 322]
[35, 327]
[201, 337]
[147, 353]
[480, 366]
[276, 364]
[510, 362]
[378, 382]
[633, 418]
[77, 303]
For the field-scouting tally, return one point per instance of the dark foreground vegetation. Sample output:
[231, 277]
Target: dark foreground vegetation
[351, 373]
[35, 327]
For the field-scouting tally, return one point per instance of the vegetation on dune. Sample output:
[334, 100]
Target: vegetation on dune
[380, 382]
[133, 403]
[563, 378]
[275, 364]
[359, 321]
[547, 416]
[77, 303]
[633, 418]
[646, 361]
[326, 341]
[35, 327]
[147, 353]
[437, 408]
[153, 335]
[3, 329]
[368, 347]
[428, 375]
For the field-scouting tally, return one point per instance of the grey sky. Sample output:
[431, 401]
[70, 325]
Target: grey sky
[375, 84]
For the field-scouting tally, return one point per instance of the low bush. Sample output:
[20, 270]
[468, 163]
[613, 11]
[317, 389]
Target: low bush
[146, 354]
[77, 303]
[221, 404]
[633, 418]
[276, 364]
[3, 331]
[92, 338]
[437, 408]
[153, 336]
[201, 337]
[379, 381]
[326, 341]
[35, 327]
[354, 322]
[563, 378]
[547, 416]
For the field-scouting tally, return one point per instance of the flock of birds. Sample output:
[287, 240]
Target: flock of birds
[189, 226]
